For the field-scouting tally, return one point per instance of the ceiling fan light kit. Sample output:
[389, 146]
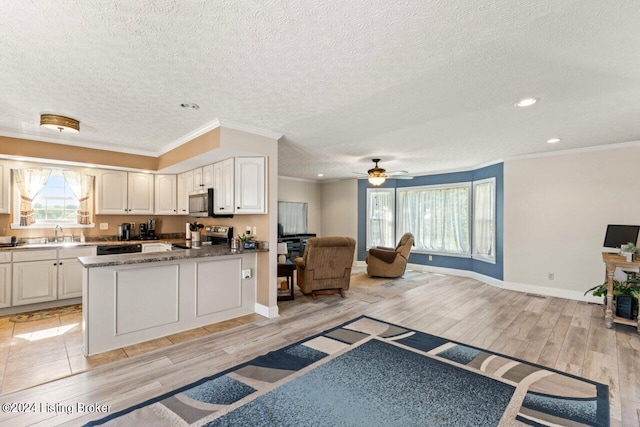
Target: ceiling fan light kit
[59, 123]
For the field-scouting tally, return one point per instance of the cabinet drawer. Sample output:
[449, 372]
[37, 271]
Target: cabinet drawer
[46, 254]
[76, 252]
[5, 256]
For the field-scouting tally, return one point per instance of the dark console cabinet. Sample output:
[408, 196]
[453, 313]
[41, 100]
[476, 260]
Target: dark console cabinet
[296, 243]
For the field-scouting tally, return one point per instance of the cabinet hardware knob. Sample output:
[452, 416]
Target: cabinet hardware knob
[59, 263]
[55, 263]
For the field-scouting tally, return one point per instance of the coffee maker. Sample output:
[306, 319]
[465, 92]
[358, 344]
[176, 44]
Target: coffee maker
[151, 229]
[142, 231]
[126, 231]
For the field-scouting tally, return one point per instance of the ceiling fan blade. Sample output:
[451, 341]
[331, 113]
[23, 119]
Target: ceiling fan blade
[397, 172]
[400, 177]
[361, 174]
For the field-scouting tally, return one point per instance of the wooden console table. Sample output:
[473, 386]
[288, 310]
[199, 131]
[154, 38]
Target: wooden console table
[614, 261]
[286, 270]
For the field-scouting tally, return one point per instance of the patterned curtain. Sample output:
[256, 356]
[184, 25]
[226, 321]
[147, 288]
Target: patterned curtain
[29, 182]
[82, 187]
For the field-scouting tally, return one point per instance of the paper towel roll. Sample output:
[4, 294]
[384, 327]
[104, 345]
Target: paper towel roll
[188, 232]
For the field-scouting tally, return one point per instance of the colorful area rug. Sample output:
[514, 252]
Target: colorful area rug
[46, 313]
[367, 372]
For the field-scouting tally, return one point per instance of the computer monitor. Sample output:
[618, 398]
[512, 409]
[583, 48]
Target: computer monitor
[618, 235]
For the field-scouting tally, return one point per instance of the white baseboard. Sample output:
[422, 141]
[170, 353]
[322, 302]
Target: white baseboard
[512, 286]
[268, 312]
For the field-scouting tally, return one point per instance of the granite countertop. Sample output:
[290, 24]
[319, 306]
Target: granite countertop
[67, 245]
[176, 254]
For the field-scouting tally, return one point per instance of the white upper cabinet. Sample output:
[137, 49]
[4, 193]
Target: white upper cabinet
[165, 195]
[203, 177]
[182, 194]
[223, 186]
[120, 193]
[197, 179]
[111, 192]
[140, 191]
[207, 176]
[250, 185]
[5, 188]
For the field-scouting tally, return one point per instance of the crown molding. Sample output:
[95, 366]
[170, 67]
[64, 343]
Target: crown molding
[570, 151]
[250, 129]
[188, 137]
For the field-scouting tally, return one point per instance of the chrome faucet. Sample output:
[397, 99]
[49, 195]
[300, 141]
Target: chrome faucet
[55, 233]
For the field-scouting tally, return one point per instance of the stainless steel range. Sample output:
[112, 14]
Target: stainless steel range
[219, 234]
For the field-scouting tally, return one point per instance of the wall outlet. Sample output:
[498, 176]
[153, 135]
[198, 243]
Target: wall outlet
[247, 230]
[104, 226]
[430, 257]
[254, 230]
[246, 273]
[550, 276]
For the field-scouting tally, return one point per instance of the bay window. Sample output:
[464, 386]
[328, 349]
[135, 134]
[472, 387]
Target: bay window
[437, 216]
[380, 217]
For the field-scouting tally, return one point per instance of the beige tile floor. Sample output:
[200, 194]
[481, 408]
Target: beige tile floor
[37, 352]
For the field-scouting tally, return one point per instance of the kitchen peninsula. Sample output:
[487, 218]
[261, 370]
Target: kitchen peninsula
[128, 299]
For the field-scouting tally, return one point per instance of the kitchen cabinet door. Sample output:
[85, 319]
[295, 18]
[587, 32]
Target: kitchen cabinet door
[5, 188]
[223, 186]
[250, 185]
[198, 183]
[5, 285]
[69, 278]
[34, 281]
[165, 195]
[207, 176]
[70, 270]
[111, 192]
[140, 192]
[182, 193]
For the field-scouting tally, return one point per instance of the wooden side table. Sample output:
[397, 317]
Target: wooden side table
[286, 270]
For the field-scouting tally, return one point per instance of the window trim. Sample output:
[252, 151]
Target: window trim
[481, 257]
[461, 184]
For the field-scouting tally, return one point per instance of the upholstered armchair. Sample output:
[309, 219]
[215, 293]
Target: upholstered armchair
[389, 262]
[325, 266]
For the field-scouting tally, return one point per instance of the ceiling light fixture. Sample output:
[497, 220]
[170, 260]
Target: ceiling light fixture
[59, 123]
[526, 102]
[377, 175]
[189, 105]
[320, 174]
[553, 140]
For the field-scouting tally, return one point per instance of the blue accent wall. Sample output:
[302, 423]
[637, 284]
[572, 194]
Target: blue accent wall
[485, 268]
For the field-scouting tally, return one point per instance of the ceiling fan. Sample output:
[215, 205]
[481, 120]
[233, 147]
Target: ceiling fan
[378, 175]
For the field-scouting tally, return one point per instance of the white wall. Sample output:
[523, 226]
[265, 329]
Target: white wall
[556, 210]
[297, 190]
[340, 208]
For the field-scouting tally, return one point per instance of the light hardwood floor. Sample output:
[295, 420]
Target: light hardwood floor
[562, 334]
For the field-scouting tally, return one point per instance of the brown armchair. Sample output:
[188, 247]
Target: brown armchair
[389, 262]
[325, 267]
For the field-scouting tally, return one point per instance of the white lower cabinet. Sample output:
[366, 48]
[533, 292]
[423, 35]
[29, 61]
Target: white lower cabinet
[5, 280]
[69, 278]
[47, 275]
[35, 281]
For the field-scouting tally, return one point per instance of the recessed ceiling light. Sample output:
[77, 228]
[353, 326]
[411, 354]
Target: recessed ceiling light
[320, 174]
[526, 102]
[189, 105]
[553, 140]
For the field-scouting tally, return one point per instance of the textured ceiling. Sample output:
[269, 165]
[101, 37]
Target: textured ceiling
[425, 85]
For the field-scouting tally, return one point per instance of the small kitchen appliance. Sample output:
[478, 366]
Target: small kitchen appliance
[126, 231]
[219, 234]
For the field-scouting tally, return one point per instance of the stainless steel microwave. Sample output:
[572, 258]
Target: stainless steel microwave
[201, 203]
